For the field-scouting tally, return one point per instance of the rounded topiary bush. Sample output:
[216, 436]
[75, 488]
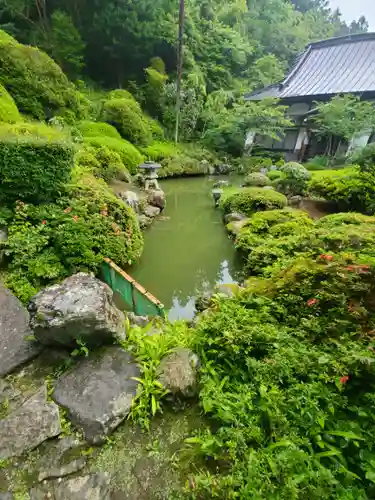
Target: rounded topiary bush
[129, 154]
[256, 179]
[250, 200]
[120, 94]
[36, 83]
[294, 179]
[8, 110]
[98, 129]
[126, 115]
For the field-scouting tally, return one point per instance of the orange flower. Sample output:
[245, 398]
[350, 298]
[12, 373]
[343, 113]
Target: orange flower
[104, 213]
[344, 379]
[75, 218]
[326, 257]
[67, 210]
[44, 222]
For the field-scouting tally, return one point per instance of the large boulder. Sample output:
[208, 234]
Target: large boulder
[89, 487]
[98, 392]
[156, 198]
[79, 308]
[131, 199]
[15, 345]
[27, 427]
[62, 459]
[178, 372]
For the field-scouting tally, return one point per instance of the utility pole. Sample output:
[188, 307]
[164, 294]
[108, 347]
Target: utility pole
[180, 56]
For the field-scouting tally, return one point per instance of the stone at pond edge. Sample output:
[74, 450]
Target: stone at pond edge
[151, 212]
[234, 217]
[156, 198]
[15, 349]
[28, 426]
[6, 496]
[144, 221]
[131, 199]
[178, 372]
[235, 227]
[81, 307]
[98, 392]
[89, 487]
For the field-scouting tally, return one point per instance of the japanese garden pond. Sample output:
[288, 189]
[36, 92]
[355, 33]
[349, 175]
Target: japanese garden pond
[187, 250]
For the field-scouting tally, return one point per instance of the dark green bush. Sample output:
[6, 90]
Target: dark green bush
[36, 82]
[126, 115]
[181, 166]
[250, 200]
[8, 109]
[255, 163]
[256, 179]
[294, 179]
[98, 129]
[35, 162]
[317, 163]
[129, 154]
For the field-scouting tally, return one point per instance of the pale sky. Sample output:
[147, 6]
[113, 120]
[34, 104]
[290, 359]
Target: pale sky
[353, 9]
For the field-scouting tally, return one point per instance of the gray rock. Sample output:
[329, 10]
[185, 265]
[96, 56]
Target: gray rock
[89, 487]
[98, 392]
[6, 496]
[156, 198]
[144, 221]
[15, 349]
[3, 235]
[61, 460]
[131, 199]
[234, 217]
[27, 427]
[235, 227]
[81, 307]
[222, 169]
[151, 212]
[179, 372]
[135, 320]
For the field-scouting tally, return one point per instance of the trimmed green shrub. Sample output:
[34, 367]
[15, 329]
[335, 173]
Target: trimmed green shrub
[120, 94]
[129, 154]
[274, 174]
[182, 166]
[256, 179]
[35, 162]
[104, 163]
[98, 129]
[50, 242]
[317, 163]
[250, 200]
[8, 109]
[36, 82]
[126, 115]
[294, 179]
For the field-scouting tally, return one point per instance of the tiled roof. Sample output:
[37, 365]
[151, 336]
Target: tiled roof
[334, 66]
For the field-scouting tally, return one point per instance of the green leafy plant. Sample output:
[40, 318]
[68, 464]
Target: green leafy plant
[256, 179]
[250, 200]
[8, 110]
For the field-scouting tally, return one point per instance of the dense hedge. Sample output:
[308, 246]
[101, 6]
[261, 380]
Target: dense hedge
[37, 84]
[256, 179]
[103, 162]
[8, 110]
[250, 200]
[35, 162]
[129, 154]
[98, 129]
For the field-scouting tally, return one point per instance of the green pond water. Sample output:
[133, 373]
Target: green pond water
[187, 250]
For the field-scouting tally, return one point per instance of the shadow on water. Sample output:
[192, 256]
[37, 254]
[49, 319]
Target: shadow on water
[187, 251]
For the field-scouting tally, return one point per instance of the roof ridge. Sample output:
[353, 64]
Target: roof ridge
[339, 40]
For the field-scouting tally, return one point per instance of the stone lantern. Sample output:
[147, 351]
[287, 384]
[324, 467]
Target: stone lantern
[151, 176]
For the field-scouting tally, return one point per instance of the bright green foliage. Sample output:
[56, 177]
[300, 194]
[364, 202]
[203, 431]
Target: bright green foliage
[250, 200]
[129, 154]
[350, 188]
[274, 174]
[317, 163]
[158, 151]
[126, 115]
[121, 94]
[256, 179]
[182, 165]
[8, 109]
[294, 179]
[98, 129]
[35, 162]
[104, 163]
[49, 242]
[365, 157]
[35, 81]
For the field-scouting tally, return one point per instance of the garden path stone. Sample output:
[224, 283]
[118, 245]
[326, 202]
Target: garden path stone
[28, 426]
[99, 391]
[79, 308]
[89, 487]
[179, 372]
[15, 349]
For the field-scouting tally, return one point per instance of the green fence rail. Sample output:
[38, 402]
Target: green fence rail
[135, 297]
